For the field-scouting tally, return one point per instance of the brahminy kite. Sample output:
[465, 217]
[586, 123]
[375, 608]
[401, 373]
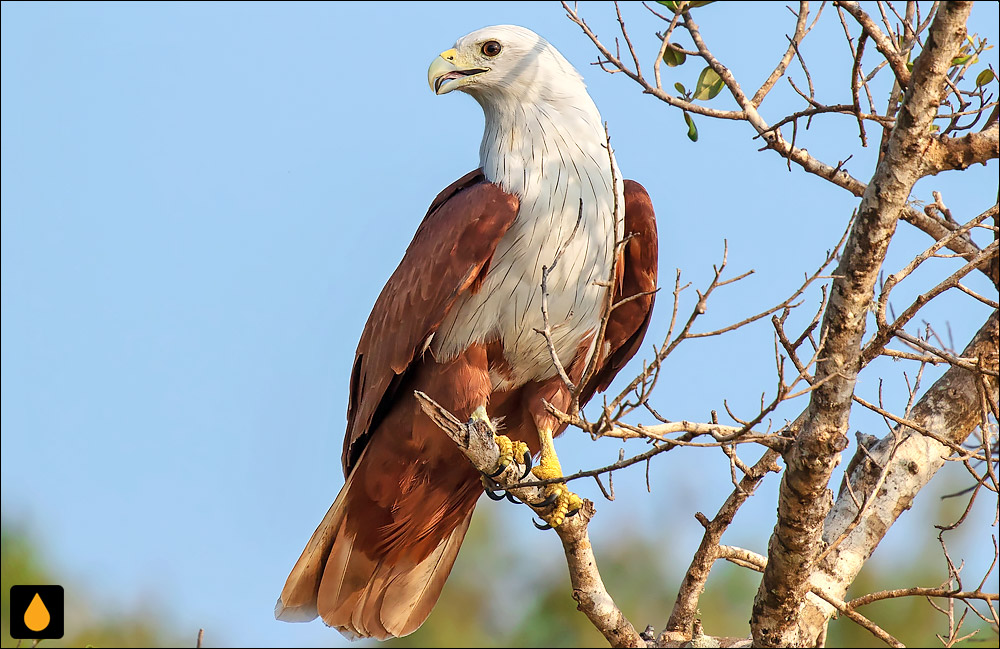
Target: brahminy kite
[459, 320]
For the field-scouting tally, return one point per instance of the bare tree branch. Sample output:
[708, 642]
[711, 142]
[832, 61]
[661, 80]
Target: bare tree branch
[946, 154]
[813, 536]
[803, 497]
[884, 44]
[950, 409]
[681, 622]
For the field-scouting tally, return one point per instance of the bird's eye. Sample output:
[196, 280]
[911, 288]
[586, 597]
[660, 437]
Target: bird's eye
[491, 48]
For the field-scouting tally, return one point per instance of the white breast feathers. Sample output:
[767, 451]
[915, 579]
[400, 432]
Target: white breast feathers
[550, 150]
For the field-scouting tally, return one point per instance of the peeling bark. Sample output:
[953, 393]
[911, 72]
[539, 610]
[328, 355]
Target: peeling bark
[804, 499]
[949, 409]
[946, 154]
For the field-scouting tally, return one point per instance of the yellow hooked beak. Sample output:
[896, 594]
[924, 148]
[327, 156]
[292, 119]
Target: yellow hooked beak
[446, 74]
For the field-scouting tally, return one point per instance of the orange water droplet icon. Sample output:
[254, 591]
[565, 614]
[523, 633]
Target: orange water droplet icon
[37, 616]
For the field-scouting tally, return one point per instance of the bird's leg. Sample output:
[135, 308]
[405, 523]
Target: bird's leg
[508, 449]
[564, 503]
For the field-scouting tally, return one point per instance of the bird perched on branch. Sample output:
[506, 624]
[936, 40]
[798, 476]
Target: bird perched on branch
[461, 320]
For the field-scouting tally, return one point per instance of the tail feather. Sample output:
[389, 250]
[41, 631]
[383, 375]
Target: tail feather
[411, 594]
[361, 595]
[297, 602]
[383, 599]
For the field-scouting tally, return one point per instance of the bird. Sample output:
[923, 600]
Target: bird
[460, 320]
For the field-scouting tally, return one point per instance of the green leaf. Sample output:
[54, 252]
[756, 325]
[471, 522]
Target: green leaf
[985, 77]
[692, 129]
[709, 84]
[680, 88]
[962, 60]
[673, 58]
[675, 6]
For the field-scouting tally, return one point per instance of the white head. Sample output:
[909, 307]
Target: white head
[535, 104]
[506, 63]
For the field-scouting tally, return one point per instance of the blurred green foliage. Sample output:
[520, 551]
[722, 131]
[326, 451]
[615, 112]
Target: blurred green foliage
[24, 562]
[493, 600]
[489, 602]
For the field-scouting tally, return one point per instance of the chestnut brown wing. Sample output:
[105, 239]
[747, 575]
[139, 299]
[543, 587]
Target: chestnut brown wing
[628, 322]
[449, 255]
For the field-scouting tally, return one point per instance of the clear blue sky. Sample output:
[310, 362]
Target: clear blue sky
[202, 201]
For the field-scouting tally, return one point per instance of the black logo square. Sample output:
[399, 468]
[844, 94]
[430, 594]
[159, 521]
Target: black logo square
[36, 612]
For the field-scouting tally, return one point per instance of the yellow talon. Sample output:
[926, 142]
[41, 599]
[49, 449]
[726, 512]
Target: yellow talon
[549, 467]
[509, 449]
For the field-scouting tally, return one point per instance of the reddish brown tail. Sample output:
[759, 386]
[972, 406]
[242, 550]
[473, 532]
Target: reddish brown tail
[370, 590]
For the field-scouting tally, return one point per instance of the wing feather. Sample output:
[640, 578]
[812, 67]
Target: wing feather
[628, 322]
[450, 254]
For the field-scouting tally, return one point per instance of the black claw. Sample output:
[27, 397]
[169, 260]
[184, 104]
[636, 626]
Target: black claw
[498, 471]
[527, 465]
[546, 526]
[548, 502]
[573, 513]
[513, 499]
[494, 495]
